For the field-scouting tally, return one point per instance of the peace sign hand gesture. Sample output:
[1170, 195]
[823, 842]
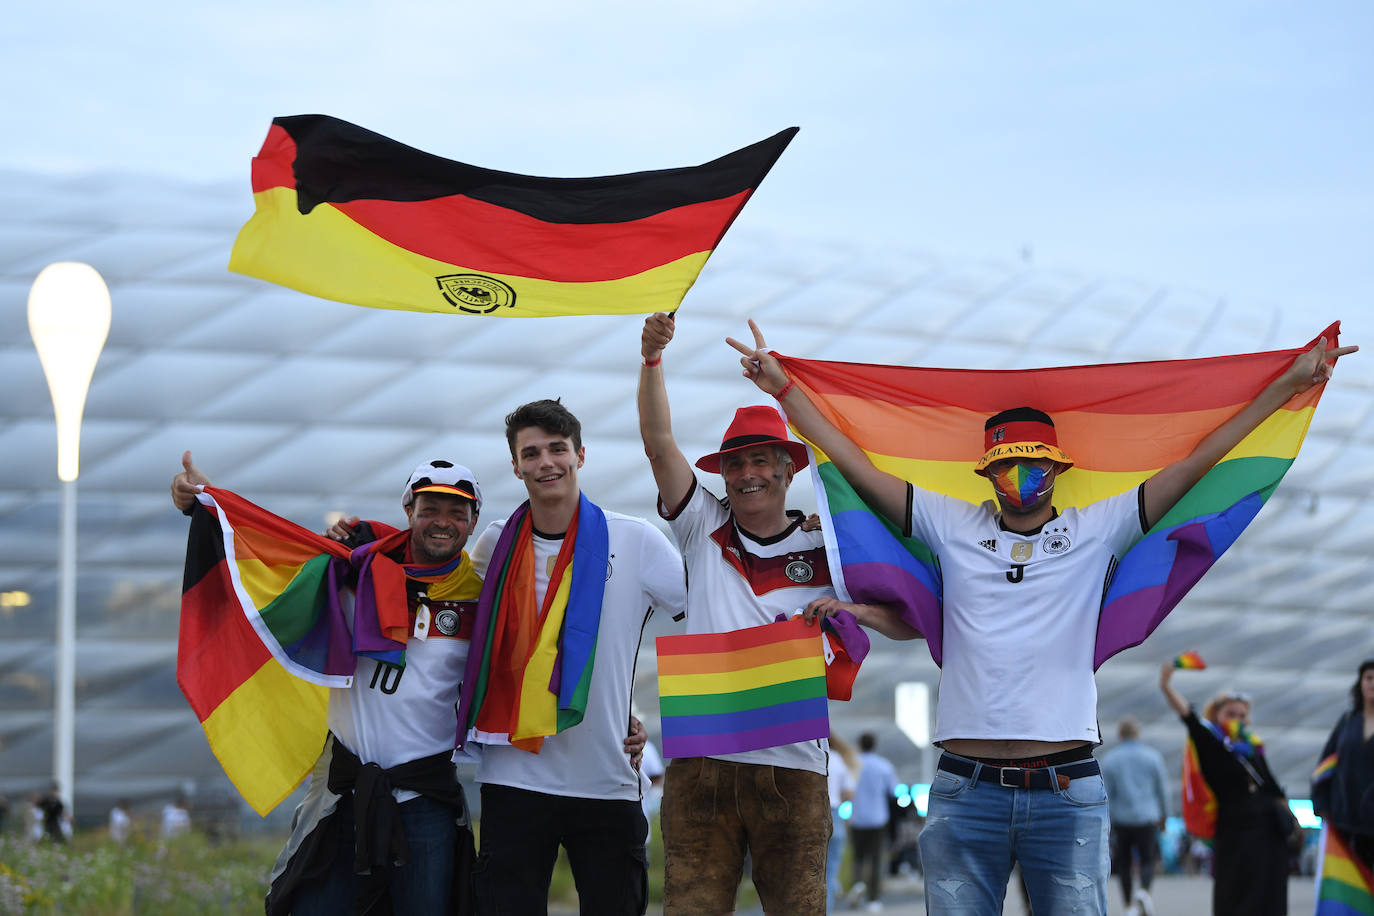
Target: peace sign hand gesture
[760, 365]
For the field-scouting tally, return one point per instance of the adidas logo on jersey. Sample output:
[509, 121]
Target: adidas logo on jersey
[989, 544]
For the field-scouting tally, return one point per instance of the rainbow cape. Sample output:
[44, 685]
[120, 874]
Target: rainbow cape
[530, 668]
[347, 214]
[1121, 423]
[1199, 801]
[1345, 886]
[264, 632]
[725, 693]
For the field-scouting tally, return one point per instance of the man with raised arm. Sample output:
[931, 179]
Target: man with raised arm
[748, 560]
[386, 770]
[1023, 583]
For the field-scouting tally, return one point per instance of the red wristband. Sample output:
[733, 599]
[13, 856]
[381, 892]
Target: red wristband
[653, 362]
[782, 392]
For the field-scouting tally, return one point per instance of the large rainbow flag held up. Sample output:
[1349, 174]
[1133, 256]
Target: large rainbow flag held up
[1121, 423]
[344, 213]
[725, 693]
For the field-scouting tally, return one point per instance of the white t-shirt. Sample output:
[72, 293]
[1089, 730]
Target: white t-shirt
[840, 779]
[589, 760]
[121, 825]
[739, 581]
[1020, 614]
[176, 821]
[392, 715]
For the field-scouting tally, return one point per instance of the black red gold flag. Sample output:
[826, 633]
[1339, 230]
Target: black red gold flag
[347, 214]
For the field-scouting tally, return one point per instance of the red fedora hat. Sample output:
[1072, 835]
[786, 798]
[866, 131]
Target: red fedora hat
[751, 427]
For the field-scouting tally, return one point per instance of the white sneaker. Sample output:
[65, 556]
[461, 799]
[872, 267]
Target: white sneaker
[874, 906]
[1147, 905]
[855, 895]
[1132, 910]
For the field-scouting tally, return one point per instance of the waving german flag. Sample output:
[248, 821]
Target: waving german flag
[344, 213]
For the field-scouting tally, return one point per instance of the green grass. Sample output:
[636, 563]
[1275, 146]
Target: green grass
[93, 876]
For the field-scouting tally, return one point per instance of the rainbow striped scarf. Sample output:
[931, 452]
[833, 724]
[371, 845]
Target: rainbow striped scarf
[530, 667]
[264, 632]
[1123, 423]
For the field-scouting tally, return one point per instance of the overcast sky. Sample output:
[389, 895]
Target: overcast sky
[1224, 146]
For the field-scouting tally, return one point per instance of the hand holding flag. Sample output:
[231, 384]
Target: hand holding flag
[1190, 660]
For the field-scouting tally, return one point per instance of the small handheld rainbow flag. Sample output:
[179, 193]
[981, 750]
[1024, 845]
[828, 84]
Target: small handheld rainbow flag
[725, 693]
[1189, 660]
[1325, 768]
[1345, 886]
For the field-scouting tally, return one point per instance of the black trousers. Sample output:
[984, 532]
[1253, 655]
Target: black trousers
[869, 845]
[1144, 840]
[520, 835]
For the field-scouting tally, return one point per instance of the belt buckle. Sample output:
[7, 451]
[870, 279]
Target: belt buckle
[1002, 778]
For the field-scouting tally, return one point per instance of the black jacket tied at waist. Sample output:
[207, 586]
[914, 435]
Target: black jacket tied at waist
[379, 840]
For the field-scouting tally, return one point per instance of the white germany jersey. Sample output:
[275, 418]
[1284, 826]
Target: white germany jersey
[589, 759]
[736, 580]
[393, 715]
[1020, 614]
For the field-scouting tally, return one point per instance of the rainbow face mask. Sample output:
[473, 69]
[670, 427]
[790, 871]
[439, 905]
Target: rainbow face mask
[1022, 484]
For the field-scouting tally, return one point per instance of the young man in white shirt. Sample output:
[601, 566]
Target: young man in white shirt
[580, 790]
[748, 560]
[1016, 714]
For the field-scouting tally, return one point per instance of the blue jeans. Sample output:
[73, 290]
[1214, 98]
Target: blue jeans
[833, 854]
[423, 885]
[976, 830]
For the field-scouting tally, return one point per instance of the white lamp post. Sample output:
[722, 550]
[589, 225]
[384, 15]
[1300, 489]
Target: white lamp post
[69, 318]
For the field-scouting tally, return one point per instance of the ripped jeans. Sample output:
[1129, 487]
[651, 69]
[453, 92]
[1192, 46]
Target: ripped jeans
[976, 830]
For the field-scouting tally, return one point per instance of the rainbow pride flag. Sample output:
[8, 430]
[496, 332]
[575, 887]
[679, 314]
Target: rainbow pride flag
[257, 680]
[1199, 801]
[263, 633]
[725, 693]
[347, 214]
[1189, 660]
[1345, 886]
[1121, 423]
[1325, 769]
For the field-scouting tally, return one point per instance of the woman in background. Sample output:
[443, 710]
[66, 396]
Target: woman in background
[1343, 785]
[1250, 850]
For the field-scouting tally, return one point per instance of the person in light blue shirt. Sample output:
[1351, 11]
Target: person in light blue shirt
[876, 785]
[1136, 803]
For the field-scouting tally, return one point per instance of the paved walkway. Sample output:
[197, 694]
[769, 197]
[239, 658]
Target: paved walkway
[1174, 895]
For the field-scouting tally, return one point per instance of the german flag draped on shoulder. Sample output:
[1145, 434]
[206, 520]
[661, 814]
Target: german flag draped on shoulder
[1124, 422]
[272, 615]
[347, 214]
